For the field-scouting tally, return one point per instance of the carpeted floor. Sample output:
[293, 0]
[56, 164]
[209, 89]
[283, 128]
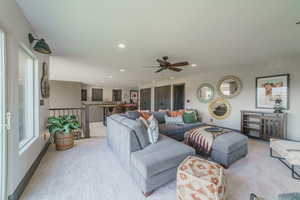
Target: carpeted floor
[90, 171]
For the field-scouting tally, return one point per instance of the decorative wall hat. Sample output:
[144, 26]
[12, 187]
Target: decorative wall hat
[39, 45]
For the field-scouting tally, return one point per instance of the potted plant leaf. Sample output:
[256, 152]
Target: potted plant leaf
[61, 129]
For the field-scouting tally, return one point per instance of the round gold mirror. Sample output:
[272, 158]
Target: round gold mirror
[219, 108]
[205, 93]
[229, 86]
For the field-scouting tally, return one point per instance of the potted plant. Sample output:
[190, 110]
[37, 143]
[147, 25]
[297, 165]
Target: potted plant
[61, 129]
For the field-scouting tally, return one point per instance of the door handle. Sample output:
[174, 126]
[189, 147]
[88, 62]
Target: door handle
[8, 121]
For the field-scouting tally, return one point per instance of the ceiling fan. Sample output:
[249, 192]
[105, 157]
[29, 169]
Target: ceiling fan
[164, 64]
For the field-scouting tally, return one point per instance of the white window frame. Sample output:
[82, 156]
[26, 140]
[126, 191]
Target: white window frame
[24, 144]
[3, 131]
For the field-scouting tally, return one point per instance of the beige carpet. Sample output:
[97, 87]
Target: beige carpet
[90, 171]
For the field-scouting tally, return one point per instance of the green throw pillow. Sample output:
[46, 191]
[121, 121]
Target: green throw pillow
[189, 117]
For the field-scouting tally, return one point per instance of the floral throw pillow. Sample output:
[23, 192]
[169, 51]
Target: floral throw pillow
[176, 113]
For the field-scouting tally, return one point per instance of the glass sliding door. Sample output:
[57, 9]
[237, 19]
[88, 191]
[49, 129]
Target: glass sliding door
[3, 117]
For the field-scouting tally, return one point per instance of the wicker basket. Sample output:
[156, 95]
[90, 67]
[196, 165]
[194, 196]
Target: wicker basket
[64, 141]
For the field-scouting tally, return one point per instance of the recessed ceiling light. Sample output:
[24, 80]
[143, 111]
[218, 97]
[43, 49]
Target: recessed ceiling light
[121, 45]
[172, 77]
[194, 65]
[110, 76]
[122, 70]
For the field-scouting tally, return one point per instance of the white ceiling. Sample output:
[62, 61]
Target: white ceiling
[213, 34]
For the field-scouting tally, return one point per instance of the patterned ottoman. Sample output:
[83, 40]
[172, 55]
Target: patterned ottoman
[199, 179]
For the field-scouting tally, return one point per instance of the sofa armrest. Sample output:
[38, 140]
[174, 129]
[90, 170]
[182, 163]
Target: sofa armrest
[122, 140]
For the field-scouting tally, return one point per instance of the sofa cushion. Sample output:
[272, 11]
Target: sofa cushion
[141, 133]
[170, 129]
[132, 115]
[163, 155]
[174, 120]
[175, 113]
[189, 117]
[229, 142]
[137, 126]
[159, 116]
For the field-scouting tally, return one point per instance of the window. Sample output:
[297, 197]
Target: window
[117, 95]
[27, 93]
[97, 94]
[83, 95]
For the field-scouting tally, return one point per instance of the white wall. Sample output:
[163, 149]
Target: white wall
[65, 94]
[246, 100]
[17, 28]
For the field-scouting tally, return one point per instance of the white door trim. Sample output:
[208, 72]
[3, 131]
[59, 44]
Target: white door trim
[3, 112]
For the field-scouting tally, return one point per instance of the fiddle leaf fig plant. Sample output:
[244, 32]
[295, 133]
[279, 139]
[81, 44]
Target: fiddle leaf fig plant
[63, 124]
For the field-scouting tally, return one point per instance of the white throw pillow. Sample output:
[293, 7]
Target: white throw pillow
[153, 131]
[152, 128]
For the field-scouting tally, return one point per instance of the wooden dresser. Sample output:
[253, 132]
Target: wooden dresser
[264, 125]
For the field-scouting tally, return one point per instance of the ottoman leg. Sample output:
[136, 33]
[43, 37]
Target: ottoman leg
[147, 194]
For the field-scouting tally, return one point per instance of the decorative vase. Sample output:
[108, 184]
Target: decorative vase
[278, 107]
[64, 141]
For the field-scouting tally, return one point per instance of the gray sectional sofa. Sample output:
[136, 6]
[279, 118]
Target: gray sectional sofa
[153, 165]
[150, 165]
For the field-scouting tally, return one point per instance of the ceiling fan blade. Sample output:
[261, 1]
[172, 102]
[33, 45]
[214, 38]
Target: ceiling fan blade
[159, 70]
[175, 69]
[150, 67]
[180, 64]
[298, 22]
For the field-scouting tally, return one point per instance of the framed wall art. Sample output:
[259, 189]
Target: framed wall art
[270, 89]
[134, 94]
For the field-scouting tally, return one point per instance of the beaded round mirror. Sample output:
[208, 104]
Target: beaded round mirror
[205, 93]
[219, 108]
[229, 86]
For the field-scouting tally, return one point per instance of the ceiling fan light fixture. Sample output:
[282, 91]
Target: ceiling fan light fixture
[121, 46]
[194, 65]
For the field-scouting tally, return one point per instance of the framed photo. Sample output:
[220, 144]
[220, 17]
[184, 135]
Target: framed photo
[271, 88]
[134, 94]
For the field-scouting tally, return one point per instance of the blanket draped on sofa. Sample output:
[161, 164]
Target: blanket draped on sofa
[202, 140]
